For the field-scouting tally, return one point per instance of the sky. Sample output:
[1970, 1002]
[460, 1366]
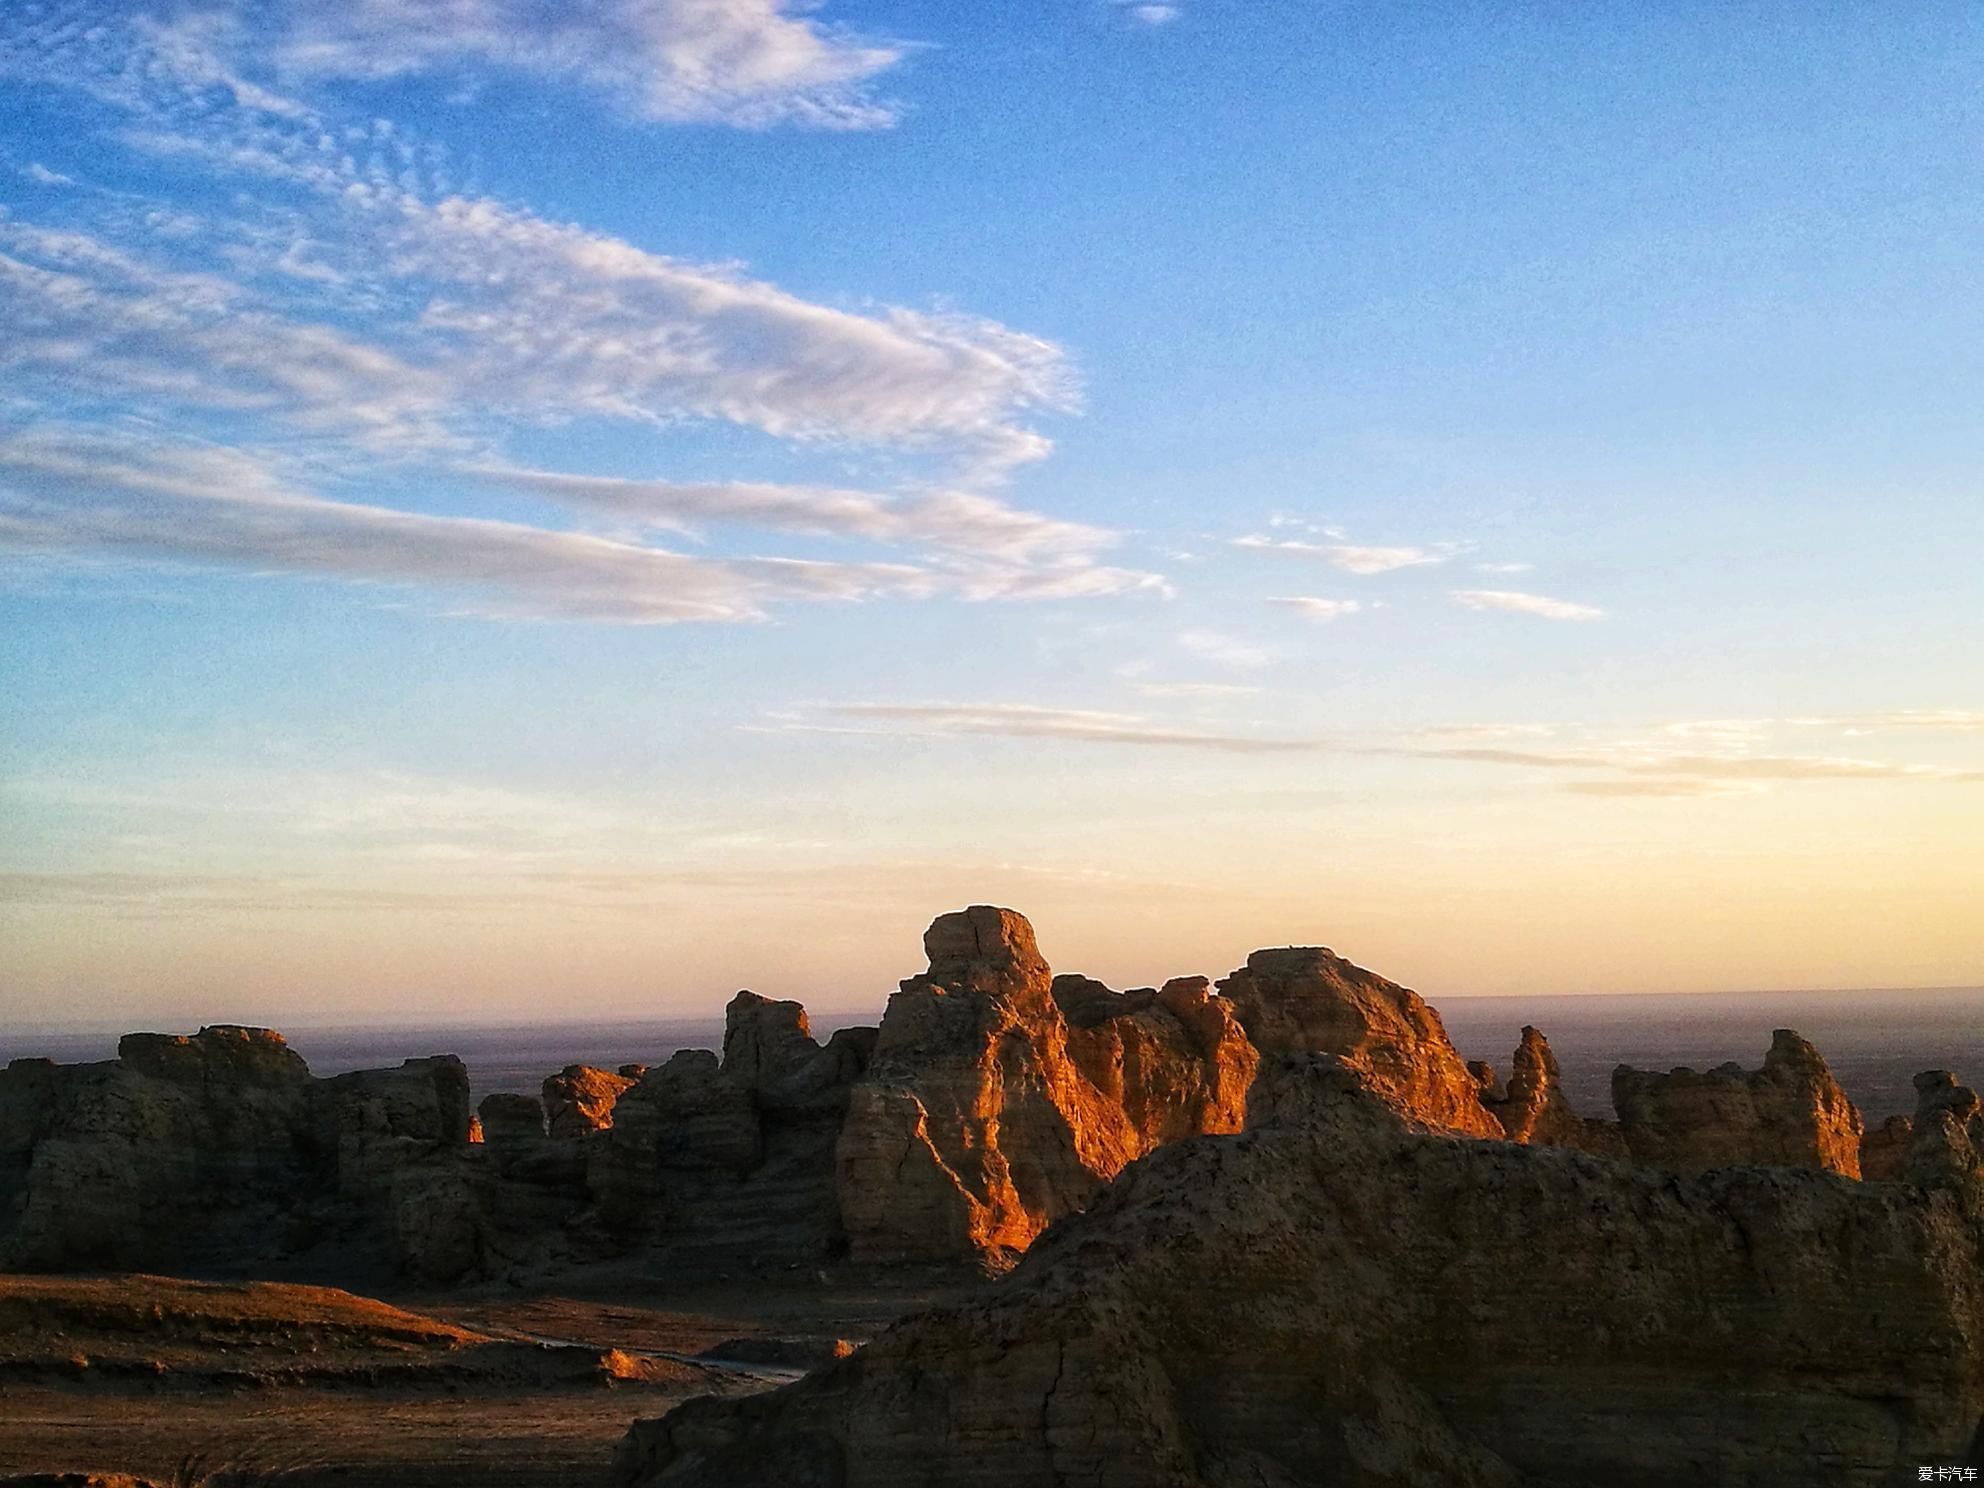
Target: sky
[521, 511]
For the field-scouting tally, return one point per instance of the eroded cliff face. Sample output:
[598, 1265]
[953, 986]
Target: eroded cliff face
[1789, 1113]
[1334, 1298]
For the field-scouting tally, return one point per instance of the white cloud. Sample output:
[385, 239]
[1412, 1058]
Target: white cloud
[1350, 557]
[41, 175]
[1517, 603]
[1318, 609]
[1222, 650]
[1503, 568]
[1025, 721]
[1154, 15]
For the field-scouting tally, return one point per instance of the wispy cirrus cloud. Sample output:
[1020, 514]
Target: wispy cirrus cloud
[1353, 558]
[345, 304]
[746, 63]
[1022, 721]
[1515, 602]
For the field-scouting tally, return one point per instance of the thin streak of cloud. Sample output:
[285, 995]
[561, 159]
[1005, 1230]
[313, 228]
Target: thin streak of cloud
[1349, 557]
[959, 520]
[1310, 608]
[1704, 766]
[1026, 721]
[1515, 602]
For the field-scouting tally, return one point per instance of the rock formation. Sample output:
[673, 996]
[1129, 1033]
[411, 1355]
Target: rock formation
[1305, 999]
[972, 1129]
[725, 1161]
[181, 1151]
[994, 1100]
[1334, 1298]
[1790, 1113]
[506, 1119]
[1532, 1107]
[580, 1098]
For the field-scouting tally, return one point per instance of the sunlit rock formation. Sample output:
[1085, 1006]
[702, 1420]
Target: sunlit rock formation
[972, 1128]
[1334, 1298]
[580, 1097]
[1790, 1113]
[1305, 999]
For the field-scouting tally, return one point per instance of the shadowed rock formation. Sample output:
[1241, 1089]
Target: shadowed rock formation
[1334, 1298]
[1790, 1113]
[1884, 1149]
[182, 1151]
[725, 1161]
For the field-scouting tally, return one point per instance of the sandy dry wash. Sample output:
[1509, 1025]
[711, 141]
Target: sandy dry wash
[1271, 1231]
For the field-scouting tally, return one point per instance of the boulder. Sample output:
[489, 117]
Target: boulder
[1789, 1113]
[1333, 1299]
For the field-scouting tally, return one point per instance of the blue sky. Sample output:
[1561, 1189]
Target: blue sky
[503, 502]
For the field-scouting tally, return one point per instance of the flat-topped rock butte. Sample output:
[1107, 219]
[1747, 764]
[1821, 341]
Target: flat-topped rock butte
[1269, 1229]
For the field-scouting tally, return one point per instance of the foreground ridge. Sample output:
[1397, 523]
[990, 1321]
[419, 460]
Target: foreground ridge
[1340, 1296]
